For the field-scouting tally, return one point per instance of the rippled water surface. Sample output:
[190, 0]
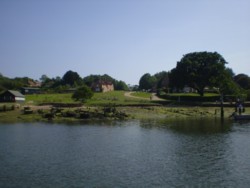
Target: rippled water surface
[191, 153]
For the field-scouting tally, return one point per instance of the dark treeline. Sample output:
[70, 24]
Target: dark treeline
[68, 81]
[12, 84]
[198, 72]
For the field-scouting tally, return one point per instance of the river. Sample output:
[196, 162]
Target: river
[149, 153]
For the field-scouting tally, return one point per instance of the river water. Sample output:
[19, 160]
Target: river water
[150, 153]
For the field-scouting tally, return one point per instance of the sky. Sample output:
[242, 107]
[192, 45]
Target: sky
[122, 38]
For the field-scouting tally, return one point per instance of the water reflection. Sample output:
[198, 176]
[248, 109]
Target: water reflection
[201, 151]
[136, 153]
[191, 126]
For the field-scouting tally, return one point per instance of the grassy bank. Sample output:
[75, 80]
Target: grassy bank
[145, 95]
[137, 108]
[151, 112]
[99, 99]
[37, 99]
[177, 112]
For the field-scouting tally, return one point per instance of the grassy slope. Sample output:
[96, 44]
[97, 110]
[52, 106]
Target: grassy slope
[193, 94]
[142, 94]
[47, 98]
[114, 97]
[118, 98]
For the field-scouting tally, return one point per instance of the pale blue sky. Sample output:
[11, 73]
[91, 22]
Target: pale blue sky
[122, 38]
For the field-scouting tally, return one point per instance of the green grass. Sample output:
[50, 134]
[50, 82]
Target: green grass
[102, 99]
[113, 97]
[49, 98]
[142, 95]
[193, 94]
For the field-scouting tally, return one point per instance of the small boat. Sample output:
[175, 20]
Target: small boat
[241, 117]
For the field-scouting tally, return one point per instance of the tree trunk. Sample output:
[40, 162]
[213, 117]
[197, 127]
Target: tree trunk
[201, 92]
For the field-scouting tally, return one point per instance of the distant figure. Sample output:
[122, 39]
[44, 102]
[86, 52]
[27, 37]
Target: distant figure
[240, 108]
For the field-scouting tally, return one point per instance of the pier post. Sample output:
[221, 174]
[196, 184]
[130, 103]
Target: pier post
[221, 107]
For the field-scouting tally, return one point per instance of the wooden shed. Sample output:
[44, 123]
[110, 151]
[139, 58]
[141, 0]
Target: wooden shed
[12, 96]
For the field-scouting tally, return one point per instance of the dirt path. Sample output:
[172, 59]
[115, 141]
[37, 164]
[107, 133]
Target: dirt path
[153, 98]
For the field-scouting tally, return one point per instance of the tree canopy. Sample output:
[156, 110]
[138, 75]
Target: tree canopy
[82, 94]
[147, 82]
[118, 85]
[71, 78]
[243, 81]
[198, 70]
[159, 81]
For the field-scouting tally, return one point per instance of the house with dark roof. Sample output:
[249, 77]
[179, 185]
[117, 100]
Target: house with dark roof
[12, 96]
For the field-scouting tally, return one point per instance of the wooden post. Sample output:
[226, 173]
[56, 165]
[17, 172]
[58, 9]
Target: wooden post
[221, 107]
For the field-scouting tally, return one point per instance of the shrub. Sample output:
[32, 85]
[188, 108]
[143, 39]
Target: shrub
[82, 94]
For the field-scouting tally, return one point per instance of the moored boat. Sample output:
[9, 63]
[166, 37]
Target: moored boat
[241, 117]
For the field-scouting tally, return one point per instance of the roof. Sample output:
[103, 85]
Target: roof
[16, 93]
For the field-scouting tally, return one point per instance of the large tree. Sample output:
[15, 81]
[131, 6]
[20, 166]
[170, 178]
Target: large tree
[162, 80]
[71, 78]
[121, 85]
[243, 81]
[198, 70]
[82, 94]
[147, 82]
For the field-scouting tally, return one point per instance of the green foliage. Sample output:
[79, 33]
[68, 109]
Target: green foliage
[198, 70]
[44, 78]
[193, 98]
[147, 82]
[118, 85]
[98, 99]
[162, 81]
[82, 94]
[13, 84]
[71, 78]
[230, 72]
[89, 80]
[243, 81]
[159, 81]
[49, 98]
[142, 95]
[115, 97]
[226, 85]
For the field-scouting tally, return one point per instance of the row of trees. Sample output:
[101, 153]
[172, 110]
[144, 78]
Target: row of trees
[69, 80]
[72, 79]
[198, 70]
[11, 84]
